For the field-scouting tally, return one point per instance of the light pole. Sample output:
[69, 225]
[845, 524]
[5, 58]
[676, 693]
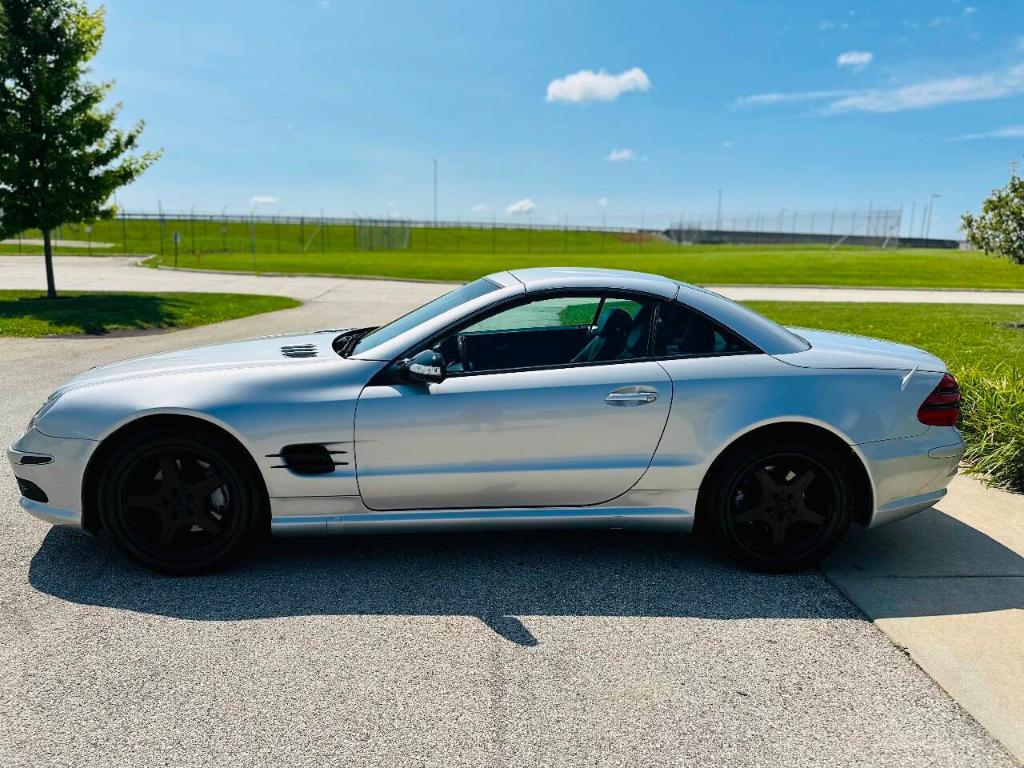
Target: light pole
[931, 207]
[435, 191]
[718, 216]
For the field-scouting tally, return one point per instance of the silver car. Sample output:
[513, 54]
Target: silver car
[551, 398]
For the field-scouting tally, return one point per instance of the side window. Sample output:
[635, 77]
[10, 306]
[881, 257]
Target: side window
[562, 312]
[562, 330]
[681, 331]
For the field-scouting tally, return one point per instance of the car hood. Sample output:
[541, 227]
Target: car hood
[843, 350]
[297, 349]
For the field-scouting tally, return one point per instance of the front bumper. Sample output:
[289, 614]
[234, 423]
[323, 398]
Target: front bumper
[56, 467]
[910, 474]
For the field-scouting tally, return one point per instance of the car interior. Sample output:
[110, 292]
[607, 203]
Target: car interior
[568, 330]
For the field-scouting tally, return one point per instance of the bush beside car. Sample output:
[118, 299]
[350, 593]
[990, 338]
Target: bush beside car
[992, 421]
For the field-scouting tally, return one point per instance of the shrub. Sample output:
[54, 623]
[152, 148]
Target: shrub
[992, 422]
[1000, 227]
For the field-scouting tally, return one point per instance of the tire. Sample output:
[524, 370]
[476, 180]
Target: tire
[779, 505]
[180, 501]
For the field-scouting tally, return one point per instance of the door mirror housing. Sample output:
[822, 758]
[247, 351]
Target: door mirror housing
[427, 366]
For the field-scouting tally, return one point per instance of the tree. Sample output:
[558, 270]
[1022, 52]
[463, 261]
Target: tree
[1000, 227]
[61, 158]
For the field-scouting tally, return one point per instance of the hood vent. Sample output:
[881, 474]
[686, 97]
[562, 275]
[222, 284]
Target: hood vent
[299, 350]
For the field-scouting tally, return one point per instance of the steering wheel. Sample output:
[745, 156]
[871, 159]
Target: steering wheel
[467, 364]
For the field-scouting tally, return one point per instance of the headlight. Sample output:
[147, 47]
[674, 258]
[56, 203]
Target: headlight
[50, 402]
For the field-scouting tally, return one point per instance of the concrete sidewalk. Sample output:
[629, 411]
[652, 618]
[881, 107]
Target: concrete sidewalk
[947, 585]
[117, 273]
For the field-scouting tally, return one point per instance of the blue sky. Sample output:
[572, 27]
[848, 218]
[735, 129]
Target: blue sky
[586, 110]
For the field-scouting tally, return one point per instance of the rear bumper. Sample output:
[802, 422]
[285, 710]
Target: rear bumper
[55, 467]
[910, 474]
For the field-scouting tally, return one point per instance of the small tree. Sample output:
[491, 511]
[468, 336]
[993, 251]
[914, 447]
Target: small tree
[1000, 227]
[61, 159]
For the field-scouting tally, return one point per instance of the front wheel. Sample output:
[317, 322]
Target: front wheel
[179, 501]
[780, 505]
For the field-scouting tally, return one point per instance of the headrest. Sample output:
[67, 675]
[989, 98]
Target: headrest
[614, 322]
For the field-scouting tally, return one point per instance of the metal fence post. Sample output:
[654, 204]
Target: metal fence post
[160, 226]
[252, 237]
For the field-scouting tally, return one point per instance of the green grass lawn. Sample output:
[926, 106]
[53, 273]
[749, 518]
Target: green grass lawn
[703, 265]
[462, 254]
[30, 313]
[963, 335]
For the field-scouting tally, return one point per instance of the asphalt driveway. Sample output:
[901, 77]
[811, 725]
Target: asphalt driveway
[499, 649]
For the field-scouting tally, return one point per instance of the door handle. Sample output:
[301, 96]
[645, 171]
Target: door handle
[634, 395]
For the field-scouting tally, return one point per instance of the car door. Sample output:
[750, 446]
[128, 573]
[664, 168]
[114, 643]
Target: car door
[569, 434]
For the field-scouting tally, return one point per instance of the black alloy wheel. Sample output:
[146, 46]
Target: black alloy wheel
[781, 507]
[178, 502]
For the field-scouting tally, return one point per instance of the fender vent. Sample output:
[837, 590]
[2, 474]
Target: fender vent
[309, 459]
[299, 350]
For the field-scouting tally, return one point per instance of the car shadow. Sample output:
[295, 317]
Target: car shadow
[930, 564]
[496, 577]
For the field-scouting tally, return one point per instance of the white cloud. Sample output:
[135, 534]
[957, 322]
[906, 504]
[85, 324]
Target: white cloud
[587, 85]
[520, 207]
[770, 99]
[264, 200]
[939, 21]
[325, 4]
[1010, 132]
[855, 60]
[727, 144]
[932, 93]
[603, 202]
[970, 10]
[480, 207]
[929, 93]
[621, 155]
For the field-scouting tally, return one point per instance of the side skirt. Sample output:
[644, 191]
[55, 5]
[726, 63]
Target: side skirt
[317, 516]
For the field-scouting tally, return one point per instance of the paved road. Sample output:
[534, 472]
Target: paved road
[501, 649]
[118, 273]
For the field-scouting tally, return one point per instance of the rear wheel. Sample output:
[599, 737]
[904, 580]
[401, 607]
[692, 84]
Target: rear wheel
[780, 505]
[179, 501]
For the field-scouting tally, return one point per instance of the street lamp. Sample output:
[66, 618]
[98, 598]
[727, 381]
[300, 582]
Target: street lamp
[928, 223]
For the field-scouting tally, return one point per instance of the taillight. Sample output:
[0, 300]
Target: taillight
[942, 407]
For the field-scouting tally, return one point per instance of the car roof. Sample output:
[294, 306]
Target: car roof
[546, 278]
[759, 330]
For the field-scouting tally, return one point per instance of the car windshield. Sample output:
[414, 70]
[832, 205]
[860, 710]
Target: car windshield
[431, 309]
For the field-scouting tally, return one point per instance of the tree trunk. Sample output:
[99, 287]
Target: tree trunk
[51, 289]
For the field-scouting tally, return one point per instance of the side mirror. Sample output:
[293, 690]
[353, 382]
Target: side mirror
[426, 366]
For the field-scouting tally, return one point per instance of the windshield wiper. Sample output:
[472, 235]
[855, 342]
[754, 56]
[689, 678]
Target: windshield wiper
[346, 342]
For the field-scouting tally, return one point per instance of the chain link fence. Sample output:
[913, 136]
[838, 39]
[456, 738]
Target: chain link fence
[175, 235]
